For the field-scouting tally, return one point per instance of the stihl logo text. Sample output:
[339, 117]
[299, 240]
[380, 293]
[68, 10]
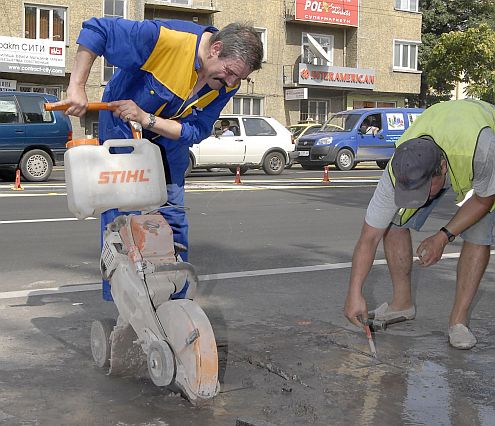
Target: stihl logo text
[123, 176]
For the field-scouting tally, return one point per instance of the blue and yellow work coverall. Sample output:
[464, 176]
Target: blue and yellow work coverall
[157, 68]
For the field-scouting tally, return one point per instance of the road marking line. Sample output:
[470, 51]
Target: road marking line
[204, 278]
[60, 219]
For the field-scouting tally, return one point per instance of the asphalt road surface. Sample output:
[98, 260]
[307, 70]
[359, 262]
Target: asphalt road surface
[273, 255]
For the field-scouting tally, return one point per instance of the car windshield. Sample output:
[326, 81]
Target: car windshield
[340, 123]
[296, 130]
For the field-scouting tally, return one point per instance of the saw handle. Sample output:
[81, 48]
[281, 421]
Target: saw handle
[92, 106]
[97, 106]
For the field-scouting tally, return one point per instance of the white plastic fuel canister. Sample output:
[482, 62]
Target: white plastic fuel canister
[98, 180]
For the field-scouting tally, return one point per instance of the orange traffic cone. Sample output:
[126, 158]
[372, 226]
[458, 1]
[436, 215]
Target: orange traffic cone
[238, 176]
[17, 184]
[325, 174]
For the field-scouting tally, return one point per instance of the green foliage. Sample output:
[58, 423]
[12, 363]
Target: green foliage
[444, 16]
[464, 56]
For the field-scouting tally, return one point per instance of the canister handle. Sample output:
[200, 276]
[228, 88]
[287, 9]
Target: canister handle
[121, 143]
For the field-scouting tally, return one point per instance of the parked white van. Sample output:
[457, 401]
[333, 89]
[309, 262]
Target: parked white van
[251, 142]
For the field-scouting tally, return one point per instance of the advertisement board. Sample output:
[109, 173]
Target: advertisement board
[32, 56]
[296, 94]
[337, 12]
[352, 78]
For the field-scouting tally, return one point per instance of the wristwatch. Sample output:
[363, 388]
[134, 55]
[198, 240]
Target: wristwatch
[450, 235]
[151, 122]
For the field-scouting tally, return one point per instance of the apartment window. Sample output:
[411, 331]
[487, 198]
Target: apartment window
[325, 41]
[408, 5]
[262, 33]
[315, 110]
[44, 22]
[247, 105]
[373, 104]
[405, 55]
[112, 9]
[33, 88]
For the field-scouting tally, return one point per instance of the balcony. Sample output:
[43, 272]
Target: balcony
[197, 6]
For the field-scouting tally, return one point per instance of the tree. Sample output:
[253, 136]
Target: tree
[464, 56]
[443, 16]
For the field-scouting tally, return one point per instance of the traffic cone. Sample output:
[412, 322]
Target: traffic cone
[17, 184]
[238, 176]
[325, 174]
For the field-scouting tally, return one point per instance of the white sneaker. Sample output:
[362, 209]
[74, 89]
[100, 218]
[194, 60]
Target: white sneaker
[384, 313]
[460, 337]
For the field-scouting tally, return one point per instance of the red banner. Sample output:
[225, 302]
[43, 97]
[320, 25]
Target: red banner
[337, 12]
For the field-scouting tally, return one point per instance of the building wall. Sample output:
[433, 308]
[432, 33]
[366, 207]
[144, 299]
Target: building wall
[370, 46]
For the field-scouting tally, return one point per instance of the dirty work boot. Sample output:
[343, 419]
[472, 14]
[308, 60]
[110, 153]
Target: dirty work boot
[460, 337]
[384, 313]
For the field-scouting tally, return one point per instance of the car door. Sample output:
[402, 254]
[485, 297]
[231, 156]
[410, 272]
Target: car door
[222, 149]
[370, 138]
[41, 128]
[12, 131]
[260, 136]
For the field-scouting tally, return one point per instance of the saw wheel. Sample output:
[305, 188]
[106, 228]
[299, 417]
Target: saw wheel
[161, 364]
[100, 341]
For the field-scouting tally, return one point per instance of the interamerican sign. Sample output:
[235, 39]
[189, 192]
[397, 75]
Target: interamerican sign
[356, 78]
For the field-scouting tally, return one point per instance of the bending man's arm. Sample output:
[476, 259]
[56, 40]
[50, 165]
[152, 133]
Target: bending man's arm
[431, 249]
[76, 92]
[362, 261]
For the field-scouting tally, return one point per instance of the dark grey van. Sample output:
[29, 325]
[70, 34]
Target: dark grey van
[31, 138]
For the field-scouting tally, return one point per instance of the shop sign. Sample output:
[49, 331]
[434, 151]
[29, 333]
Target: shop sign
[7, 85]
[352, 78]
[32, 56]
[337, 12]
[296, 94]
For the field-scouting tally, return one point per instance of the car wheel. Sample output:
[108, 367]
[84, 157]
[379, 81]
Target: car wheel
[382, 164]
[36, 165]
[344, 160]
[189, 168]
[274, 163]
[242, 170]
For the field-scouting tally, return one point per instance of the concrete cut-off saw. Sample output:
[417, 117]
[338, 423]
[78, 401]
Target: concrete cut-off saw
[170, 339]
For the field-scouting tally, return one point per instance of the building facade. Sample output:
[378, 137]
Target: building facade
[320, 57]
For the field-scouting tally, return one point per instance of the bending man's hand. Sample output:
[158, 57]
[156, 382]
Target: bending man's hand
[76, 102]
[430, 250]
[355, 309]
[127, 110]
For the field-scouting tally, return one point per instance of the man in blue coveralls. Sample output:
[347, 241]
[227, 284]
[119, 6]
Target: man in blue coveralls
[174, 78]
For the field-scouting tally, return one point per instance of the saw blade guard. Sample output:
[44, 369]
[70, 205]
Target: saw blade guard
[191, 337]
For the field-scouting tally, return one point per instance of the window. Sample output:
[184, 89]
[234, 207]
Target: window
[50, 90]
[315, 110]
[373, 104]
[112, 8]
[262, 33]
[325, 41]
[44, 22]
[8, 110]
[408, 5]
[405, 55]
[233, 126]
[33, 110]
[247, 105]
[258, 127]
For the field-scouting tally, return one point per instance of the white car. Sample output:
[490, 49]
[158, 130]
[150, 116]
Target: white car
[252, 142]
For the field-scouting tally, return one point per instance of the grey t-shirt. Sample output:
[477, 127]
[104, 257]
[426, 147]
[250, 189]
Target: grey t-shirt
[382, 209]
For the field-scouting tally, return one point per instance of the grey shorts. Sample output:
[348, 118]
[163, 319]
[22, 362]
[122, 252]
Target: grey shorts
[480, 233]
